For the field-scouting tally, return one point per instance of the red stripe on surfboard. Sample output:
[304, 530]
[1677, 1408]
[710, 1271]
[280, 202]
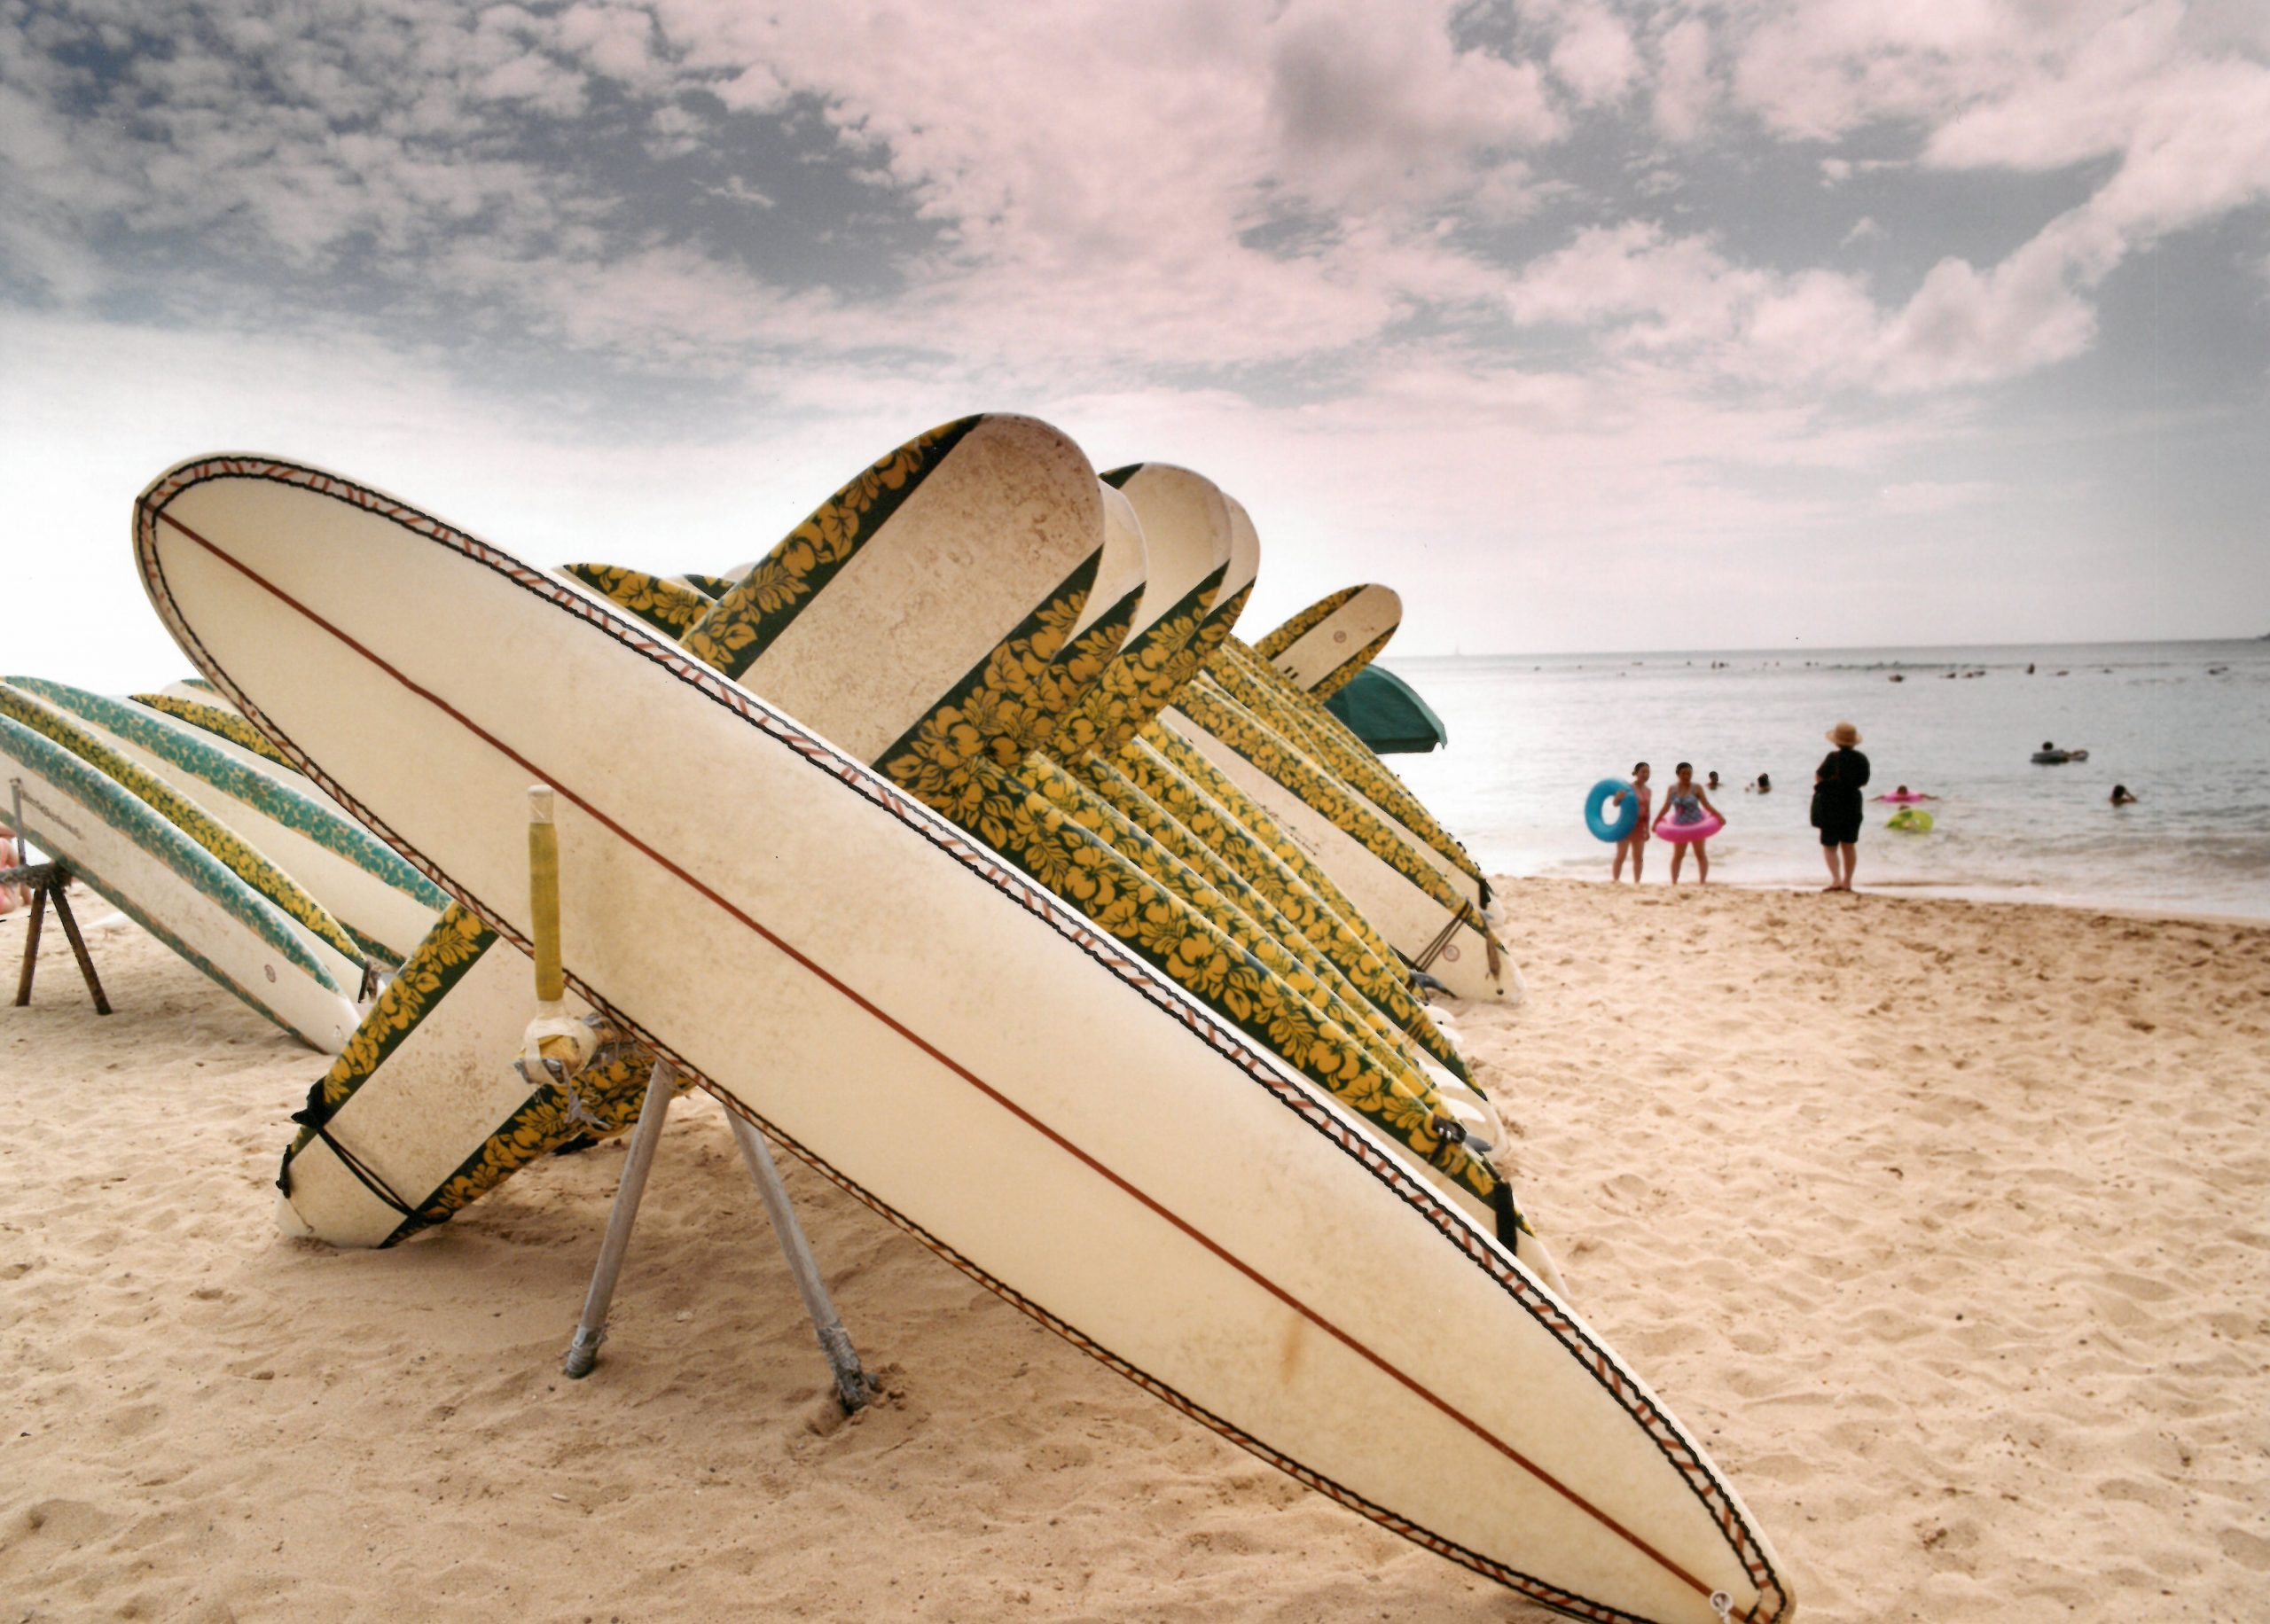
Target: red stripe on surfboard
[854, 996]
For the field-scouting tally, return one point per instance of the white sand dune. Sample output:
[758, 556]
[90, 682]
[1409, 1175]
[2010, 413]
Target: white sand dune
[1943, 1224]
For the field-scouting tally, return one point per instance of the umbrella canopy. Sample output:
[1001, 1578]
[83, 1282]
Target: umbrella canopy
[1386, 713]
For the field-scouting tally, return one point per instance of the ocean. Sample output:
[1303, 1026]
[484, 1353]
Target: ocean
[2185, 726]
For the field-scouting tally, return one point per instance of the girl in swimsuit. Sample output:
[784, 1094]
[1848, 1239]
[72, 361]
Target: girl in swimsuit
[1635, 844]
[11, 854]
[1686, 804]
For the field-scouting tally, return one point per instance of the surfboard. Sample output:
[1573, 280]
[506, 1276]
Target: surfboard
[1390, 878]
[1398, 890]
[1320, 648]
[1297, 718]
[949, 1041]
[172, 887]
[387, 904]
[1188, 528]
[423, 1113]
[218, 717]
[341, 957]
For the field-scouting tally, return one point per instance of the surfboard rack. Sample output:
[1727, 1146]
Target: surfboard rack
[47, 881]
[853, 1386]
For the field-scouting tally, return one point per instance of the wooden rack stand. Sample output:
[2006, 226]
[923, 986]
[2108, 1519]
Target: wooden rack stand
[48, 881]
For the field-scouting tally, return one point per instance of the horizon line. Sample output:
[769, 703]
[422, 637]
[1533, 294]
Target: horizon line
[1853, 648]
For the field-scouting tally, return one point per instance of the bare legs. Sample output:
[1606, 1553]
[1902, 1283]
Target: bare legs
[1702, 859]
[1637, 847]
[1839, 860]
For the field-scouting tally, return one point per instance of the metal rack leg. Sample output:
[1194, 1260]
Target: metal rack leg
[590, 1330]
[852, 1385]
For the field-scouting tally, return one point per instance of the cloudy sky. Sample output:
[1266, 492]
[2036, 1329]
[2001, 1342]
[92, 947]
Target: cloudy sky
[1584, 325]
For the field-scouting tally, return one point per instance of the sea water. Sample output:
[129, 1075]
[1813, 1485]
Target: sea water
[2185, 726]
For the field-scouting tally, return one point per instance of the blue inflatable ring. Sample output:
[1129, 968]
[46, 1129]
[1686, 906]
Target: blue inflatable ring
[1596, 803]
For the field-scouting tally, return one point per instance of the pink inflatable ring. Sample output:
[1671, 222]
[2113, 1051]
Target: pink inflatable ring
[1680, 834]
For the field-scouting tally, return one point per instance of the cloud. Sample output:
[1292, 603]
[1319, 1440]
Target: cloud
[1580, 270]
[1370, 107]
[1593, 52]
[1685, 92]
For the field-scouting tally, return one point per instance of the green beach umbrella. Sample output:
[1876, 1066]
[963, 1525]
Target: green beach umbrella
[1383, 711]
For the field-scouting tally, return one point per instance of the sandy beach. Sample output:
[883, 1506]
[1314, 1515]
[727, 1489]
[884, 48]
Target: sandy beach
[1943, 1224]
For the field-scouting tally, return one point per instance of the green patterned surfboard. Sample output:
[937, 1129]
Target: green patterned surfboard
[340, 955]
[120, 845]
[219, 719]
[387, 904]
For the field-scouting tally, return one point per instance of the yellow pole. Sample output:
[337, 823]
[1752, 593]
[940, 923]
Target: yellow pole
[544, 895]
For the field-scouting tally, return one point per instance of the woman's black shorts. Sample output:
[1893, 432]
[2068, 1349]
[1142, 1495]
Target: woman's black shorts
[1838, 830]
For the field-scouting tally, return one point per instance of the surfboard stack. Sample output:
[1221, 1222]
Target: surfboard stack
[961, 820]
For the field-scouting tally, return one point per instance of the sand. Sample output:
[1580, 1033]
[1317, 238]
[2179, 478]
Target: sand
[1944, 1224]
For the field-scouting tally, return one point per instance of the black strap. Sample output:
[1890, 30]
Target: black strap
[1509, 1218]
[371, 1181]
[316, 1119]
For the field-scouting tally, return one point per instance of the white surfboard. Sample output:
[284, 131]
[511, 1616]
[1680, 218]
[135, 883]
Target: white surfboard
[949, 1043]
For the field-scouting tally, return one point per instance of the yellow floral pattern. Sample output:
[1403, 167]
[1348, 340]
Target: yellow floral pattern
[736, 628]
[1162, 747]
[668, 607]
[1226, 964]
[1011, 697]
[1206, 827]
[606, 1095]
[1203, 879]
[222, 723]
[1308, 619]
[1236, 728]
[1250, 681]
[1137, 685]
[599, 1102]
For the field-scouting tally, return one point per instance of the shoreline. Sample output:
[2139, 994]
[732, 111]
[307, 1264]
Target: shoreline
[1898, 891]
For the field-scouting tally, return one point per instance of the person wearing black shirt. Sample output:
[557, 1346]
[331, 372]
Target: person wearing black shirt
[1837, 810]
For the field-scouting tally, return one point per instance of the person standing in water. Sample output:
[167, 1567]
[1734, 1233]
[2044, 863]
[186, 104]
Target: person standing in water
[1688, 804]
[1634, 844]
[1837, 809]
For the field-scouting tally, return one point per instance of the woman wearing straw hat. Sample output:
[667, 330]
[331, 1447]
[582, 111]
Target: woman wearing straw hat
[1836, 808]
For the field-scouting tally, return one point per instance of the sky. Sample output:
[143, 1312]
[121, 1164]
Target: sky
[1582, 325]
